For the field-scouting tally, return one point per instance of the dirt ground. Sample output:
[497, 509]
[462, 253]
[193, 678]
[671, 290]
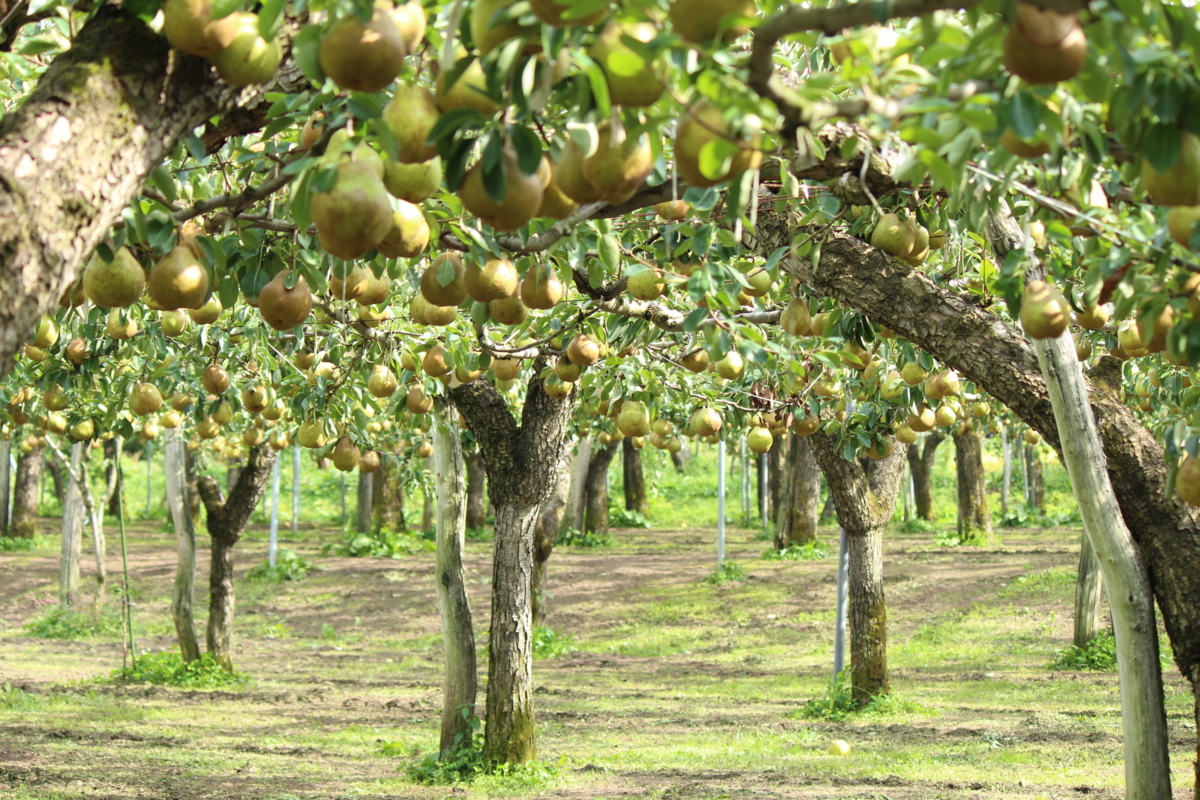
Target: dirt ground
[676, 688]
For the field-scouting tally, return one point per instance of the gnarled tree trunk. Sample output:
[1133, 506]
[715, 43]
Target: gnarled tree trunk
[388, 497]
[545, 534]
[596, 490]
[25, 494]
[362, 516]
[184, 589]
[1088, 591]
[1035, 491]
[971, 483]
[921, 458]
[72, 532]
[800, 500]
[476, 518]
[634, 479]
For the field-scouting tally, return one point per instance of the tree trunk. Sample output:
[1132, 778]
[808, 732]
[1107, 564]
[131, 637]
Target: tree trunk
[476, 519]
[920, 463]
[1006, 478]
[1035, 491]
[796, 522]
[680, 460]
[362, 519]
[596, 490]
[777, 478]
[1088, 590]
[973, 517]
[184, 590]
[72, 532]
[56, 477]
[1143, 717]
[545, 534]
[25, 494]
[573, 515]
[5, 483]
[458, 633]
[219, 634]
[634, 478]
[865, 497]
[388, 497]
[112, 491]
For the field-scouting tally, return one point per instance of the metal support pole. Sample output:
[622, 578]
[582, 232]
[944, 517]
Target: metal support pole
[343, 522]
[720, 503]
[764, 488]
[295, 490]
[745, 485]
[149, 469]
[843, 593]
[275, 475]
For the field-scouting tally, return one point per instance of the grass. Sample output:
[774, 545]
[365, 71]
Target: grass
[166, 668]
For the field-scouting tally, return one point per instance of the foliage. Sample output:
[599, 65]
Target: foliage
[918, 525]
[1098, 655]
[484, 534]
[382, 543]
[61, 622]
[725, 572]
[622, 518]
[20, 544]
[166, 668]
[811, 551]
[462, 764]
[572, 537]
[838, 704]
[974, 538]
[547, 643]
[14, 698]
[289, 566]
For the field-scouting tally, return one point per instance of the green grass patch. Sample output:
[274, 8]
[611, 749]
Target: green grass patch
[61, 622]
[838, 704]
[1057, 582]
[975, 538]
[576, 538]
[380, 544]
[726, 572]
[548, 643]
[289, 566]
[16, 544]
[166, 668]
[812, 551]
[621, 518]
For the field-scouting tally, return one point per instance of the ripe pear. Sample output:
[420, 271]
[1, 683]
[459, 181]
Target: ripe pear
[631, 81]
[492, 24]
[913, 373]
[179, 280]
[634, 419]
[83, 430]
[1179, 184]
[363, 57]
[255, 399]
[506, 369]
[411, 114]
[542, 289]
[144, 399]
[1153, 333]
[699, 21]
[1181, 222]
[370, 459]
[584, 351]
[905, 434]
[1021, 148]
[469, 91]
[922, 420]
[409, 236]
[120, 326]
[706, 421]
[74, 295]
[894, 236]
[672, 210]
[706, 130]
[249, 58]
[1044, 46]
[561, 15]
[417, 402]
[189, 26]
[508, 310]
[496, 280]
[1094, 318]
[173, 323]
[695, 361]
[759, 439]
[355, 215]
[555, 203]
[46, 334]
[646, 285]
[522, 194]
[618, 170]
[453, 292]
[413, 182]
[224, 413]
[760, 281]
[215, 380]
[435, 362]
[346, 454]
[115, 284]
[208, 313]
[283, 308]
[566, 371]
[569, 176]
[77, 351]
[311, 434]
[1044, 311]
[409, 19]
[920, 249]
[942, 384]
[55, 398]
[1187, 481]
[353, 285]
[731, 366]
[796, 318]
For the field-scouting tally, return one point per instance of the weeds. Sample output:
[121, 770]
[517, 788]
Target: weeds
[812, 551]
[724, 573]
[838, 704]
[549, 644]
[166, 668]
[464, 763]
[61, 622]
[480, 534]
[918, 525]
[21, 544]
[577, 538]
[620, 518]
[289, 566]
[974, 538]
[15, 698]
[1098, 655]
[380, 544]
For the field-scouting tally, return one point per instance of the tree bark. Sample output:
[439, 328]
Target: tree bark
[634, 479]
[458, 632]
[72, 534]
[389, 497]
[545, 534]
[971, 483]
[596, 490]
[1143, 716]
[25, 494]
[521, 464]
[777, 478]
[184, 589]
[56, 477]
[573, 515]
[362, 517]
[799, 504]
[5, 483]
[112, 491]
[1006, 479]
[476, 518]
[1088, 591]
[226, 522]
[921, 459]
[865, 498]
[1035, 491]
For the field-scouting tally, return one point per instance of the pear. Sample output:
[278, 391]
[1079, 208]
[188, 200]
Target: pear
[646, 285]
[224, 413]
[115, 284]
[569, 177]
[1179, 184]
[453, 292]
[1044, 311]
[1181, 221]
[942, 384]
[634, 419]
[1093, 319]
[631, 81]
[672, 210]
[83, 430]
[208, 313]
[469, 91]
[311, 434]
[806, 426]
[796, 318]
[561, 15]
[411, 114]
[509, 310]
[417, 402]
[179, 280]
[346, 454]
[905, 434]
[409, 236]
[759, 439]
[435, 362]
[353, 285]
[920, 249]
[55, 398]
[541, 288]
[913, 373]
[496, 280]
[215, 379]
[731, 366]
[382, 382]
[370, 460]
[1044, 46]
[1021, 148]
[284, 308]
[413, 182]
[74, 295]
[354, 215]
[695, 361]
[705, 421]
[173, 323]
[363, 57]
[555, 203]
[922, 420]
[189, 26]
[705, 129]
[880, 451]
[46, 334]
[1187, 480]
[144, 399]
[180, 401]
[1154, 334]
[566, 371]
[618, 170]
[522, 194]
[120, 326]
[249, 58]
[410, 21]
[894, 236]
[489, 33]
[150, 430]
[77, 351]
[506, 369]
[699, 21]
[760, 281]
[584, 351]
[255, 399]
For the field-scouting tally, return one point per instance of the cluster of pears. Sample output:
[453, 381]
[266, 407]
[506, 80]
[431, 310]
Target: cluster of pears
[367, 56]
[1043, 46]
[905, 239]
[448, 282]
[233, 44]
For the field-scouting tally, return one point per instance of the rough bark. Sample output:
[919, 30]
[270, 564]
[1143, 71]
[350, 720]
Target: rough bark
[596, 490]
[80, 147]
[1006, 478]
[777, 478]
[865, 497]
[5, 483]
[1035, 490]
[362, 517]
[521, 463]
[476, 518]
[226, 522]
[573, 516]
[634, 478]
[389, 497]
[72, 534]
[184, 589]
[545, 534]
[921, 458]
[799, 504]
[1088, 591]
[25, 494]
[112, 491]
[458, 633]
[55, 470]
[973, 518]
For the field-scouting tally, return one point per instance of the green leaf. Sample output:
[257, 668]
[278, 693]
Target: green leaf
[305, 48]
[495, 178]
[1024, 114]
[597, 82]
[1161, 146]
[364, 106]
[162, 180]
[455, 120]
[223, 8]
[268, 18]
[528, 147]
[610, 251]
[195, 147]
[446, 272]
